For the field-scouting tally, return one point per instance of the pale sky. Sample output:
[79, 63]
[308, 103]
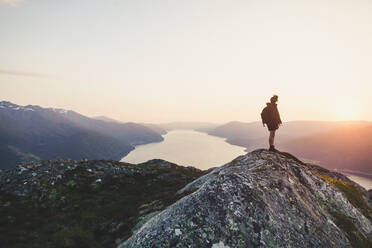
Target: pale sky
[190, 60]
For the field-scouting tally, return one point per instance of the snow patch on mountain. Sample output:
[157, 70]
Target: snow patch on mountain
[12, 106]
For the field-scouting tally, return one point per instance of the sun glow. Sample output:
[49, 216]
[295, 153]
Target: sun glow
[347, 113]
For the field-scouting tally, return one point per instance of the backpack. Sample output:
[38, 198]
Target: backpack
[265, 115]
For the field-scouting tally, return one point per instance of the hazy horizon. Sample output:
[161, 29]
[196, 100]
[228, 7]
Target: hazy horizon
[194, 121]
[209, 61]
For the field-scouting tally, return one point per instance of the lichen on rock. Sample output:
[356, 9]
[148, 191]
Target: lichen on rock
[262, 199]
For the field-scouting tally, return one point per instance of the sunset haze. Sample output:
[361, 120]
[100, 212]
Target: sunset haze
[215, 61]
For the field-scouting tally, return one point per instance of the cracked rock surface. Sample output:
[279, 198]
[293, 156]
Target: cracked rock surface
[263, 199]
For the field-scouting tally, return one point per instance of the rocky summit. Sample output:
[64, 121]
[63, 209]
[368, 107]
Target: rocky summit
[263, 199]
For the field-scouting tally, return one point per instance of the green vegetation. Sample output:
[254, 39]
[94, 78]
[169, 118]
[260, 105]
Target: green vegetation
[355, 237]
[355, 197]
[79, 211]
[352, 193]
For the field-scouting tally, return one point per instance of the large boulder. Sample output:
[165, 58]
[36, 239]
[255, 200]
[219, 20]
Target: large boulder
[263, 199]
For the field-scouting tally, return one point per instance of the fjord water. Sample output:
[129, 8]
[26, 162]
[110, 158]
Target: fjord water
[188, 148]
[203, 151]
[363, 181]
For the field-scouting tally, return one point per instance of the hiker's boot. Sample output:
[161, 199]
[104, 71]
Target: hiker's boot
[272, 149]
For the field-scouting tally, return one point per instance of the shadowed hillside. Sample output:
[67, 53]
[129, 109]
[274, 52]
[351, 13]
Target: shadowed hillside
[347, 147]
[78, 204]
[33, 133]
[343, 145]
[254, 135]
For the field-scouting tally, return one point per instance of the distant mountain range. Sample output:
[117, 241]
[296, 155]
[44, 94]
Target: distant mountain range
[341, 144]
[104, 118]
[163, 128]
[155, 127]
[346, 147]
[194, 125]
[32, 133]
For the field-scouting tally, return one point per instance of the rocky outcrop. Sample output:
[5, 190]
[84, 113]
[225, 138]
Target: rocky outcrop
[263, 199]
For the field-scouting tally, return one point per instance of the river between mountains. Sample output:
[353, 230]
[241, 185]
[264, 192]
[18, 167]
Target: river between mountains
[203, 151]
[188, 148]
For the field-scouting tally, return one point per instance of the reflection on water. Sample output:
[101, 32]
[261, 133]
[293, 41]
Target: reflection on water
[203, 151]
[187, 147]
[362, 181]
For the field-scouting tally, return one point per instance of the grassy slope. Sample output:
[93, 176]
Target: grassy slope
[78, 212]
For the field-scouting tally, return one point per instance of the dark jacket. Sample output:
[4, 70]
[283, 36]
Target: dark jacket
[274, 118]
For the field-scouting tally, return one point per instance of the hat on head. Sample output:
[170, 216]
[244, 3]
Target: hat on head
[274, 99]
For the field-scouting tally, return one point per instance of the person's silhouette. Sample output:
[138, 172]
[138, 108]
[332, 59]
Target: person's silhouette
[270, 116]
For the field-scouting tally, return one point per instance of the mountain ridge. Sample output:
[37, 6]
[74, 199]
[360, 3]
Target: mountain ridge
[32, 133]
[320, 141]
[340, 148]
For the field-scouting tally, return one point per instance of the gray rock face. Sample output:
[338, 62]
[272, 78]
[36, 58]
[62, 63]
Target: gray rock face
[263, 199]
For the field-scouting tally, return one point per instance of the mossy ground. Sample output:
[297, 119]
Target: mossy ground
[352, 193]
[79, 212]
[355, 197]
[356, 238]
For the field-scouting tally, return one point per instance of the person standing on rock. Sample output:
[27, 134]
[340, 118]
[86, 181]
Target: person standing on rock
[270, 116]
